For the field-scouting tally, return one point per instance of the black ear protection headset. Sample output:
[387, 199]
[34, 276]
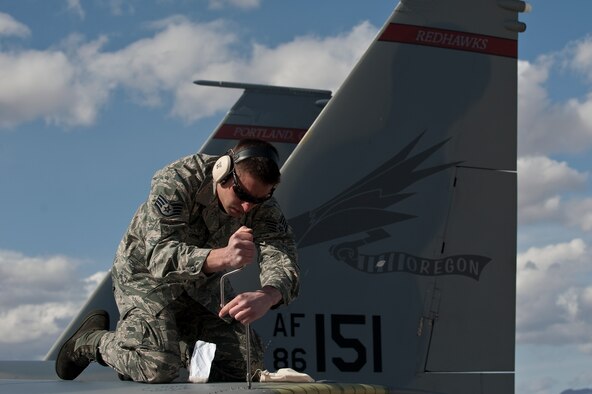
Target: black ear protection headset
[225, 164]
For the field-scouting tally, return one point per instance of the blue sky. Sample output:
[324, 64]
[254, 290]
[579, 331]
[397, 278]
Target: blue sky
[97, 95]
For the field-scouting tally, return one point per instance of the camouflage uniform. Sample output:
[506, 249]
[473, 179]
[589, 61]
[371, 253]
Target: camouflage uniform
[165, 300]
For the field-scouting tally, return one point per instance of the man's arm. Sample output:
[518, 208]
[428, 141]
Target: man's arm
[278, 259]
[279, 270]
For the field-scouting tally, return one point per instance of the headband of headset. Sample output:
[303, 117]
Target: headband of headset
[225, 164]
[255, 151]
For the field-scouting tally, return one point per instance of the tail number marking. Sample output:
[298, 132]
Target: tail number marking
[334, 342]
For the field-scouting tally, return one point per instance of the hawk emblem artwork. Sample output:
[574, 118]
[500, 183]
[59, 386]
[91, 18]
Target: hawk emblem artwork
[363, 208]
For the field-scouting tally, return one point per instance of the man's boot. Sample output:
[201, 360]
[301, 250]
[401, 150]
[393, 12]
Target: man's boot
[82, 347]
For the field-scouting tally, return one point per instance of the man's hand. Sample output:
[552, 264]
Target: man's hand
[250, 306]
[240, 251]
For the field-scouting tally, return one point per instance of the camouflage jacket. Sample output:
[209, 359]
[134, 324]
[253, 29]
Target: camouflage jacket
[171, 234]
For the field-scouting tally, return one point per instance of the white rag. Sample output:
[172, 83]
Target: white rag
[285, 375]
[201, 361]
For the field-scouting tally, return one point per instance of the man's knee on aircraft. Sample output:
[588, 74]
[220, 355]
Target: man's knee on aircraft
[159, 367]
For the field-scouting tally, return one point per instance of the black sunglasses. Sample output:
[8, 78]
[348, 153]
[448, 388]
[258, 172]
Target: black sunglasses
[243, 195]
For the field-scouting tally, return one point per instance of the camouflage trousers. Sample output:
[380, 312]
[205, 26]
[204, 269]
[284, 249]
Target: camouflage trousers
[152, 349]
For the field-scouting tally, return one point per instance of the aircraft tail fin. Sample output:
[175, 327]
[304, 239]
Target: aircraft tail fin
[277, 114]
[407, 231]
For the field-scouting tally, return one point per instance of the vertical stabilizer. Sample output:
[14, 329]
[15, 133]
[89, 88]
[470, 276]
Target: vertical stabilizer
[277, 114]
[403, 199]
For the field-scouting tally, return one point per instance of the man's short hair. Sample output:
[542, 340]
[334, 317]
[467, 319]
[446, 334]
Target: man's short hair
[263, 165]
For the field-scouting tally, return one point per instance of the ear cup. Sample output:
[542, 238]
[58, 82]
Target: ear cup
[222, 168]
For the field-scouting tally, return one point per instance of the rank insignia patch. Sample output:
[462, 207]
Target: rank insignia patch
[167, 208]
[280, 226]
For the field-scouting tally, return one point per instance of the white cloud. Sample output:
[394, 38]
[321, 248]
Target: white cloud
[244, 4]
[20, 274]
[581, 57]
[541, 182]
[35, 306]
[579, 213]
[11, 27]
[29, 322]
[46, 84]
[554, 300]
[69, 86]
[550, 190]
[75, 7]
[307, 61]
[312, 61]
[121, 7]
[153, 68]
[546, 126]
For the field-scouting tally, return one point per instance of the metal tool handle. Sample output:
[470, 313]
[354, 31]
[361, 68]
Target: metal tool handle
[247, 326]
[222, 281]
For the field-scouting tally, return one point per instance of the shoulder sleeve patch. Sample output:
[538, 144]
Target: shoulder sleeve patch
[280, 225]
[168, 208]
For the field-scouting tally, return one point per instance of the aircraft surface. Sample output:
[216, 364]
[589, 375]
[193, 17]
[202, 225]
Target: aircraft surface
[402, 195]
